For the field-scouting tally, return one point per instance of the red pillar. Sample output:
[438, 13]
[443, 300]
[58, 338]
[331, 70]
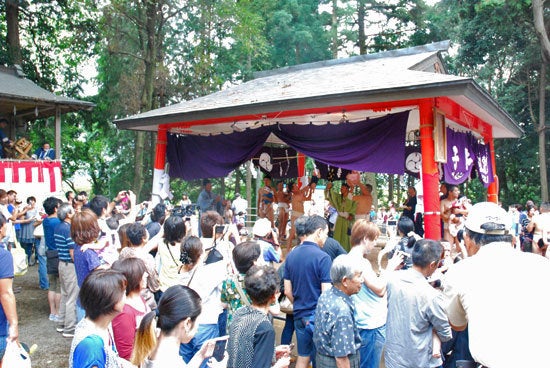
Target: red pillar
[160, 155]
[301, 164]
[430, 172]
[160, 162]
[492, 190]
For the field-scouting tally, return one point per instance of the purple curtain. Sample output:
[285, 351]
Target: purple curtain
[465, 153]
[459, 158]
[483, 164]
[197, 157]
[375, 145]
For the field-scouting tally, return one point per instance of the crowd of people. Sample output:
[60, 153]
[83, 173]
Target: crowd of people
[136, 285]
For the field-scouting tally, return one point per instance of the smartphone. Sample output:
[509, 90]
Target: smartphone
[220, 229]
[219, 349]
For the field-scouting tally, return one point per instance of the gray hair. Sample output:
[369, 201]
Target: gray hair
[426, 251]
[344, 266]
[64, 211]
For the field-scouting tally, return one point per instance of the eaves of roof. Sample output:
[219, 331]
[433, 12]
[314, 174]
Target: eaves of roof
[400, 76]
[22, 97]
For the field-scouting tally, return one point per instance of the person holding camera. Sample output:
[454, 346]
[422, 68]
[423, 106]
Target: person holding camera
[264, 235]
[415, 311]
[371, 303]
[205, 277]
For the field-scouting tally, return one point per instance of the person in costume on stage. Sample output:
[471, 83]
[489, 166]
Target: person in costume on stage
[266, 195]
[346, 212]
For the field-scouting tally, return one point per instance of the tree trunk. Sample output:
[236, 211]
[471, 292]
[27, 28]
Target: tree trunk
[370, 178]
[542, 135]
[138, 169]
[334, 29]
[362, 38]
[540, 29]
[147, 92]
[14, 46]
[542, 34]
[391, 182]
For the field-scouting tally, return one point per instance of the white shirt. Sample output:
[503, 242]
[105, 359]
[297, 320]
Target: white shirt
[501, 294]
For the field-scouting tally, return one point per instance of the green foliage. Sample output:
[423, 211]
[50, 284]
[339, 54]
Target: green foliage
[55, 40]
[294, 31]
[202, 46]
[506, 61]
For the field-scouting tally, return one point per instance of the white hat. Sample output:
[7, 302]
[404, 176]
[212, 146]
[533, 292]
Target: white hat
[262, 227]
[487, 212]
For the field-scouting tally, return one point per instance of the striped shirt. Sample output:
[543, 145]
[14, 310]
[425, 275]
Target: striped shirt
[63, 241]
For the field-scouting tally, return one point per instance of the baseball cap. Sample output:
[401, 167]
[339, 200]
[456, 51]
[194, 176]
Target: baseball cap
[490, 214]
[262, 227]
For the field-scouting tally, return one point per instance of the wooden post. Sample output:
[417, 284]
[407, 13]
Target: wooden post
[430, 173]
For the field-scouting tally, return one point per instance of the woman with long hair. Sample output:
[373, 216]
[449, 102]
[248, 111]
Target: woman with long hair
[168, 252]
[206, 280]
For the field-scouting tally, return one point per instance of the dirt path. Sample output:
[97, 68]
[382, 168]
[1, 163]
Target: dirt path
[34, 325]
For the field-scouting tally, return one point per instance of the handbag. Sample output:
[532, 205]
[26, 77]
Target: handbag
[38, 231]
[52, 261]
[16, 356]
[214, 256]
[286, 305]
[20, 265]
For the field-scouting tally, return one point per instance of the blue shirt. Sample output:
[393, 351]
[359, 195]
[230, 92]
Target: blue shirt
[90, 352]
[63, 241]
[42, 154]
[206, 201]
[333, 248]
[335, 333]
[84, 263]
[6, 272]
[269, 253]
[307, 267]
[49, 225]
[11, 208]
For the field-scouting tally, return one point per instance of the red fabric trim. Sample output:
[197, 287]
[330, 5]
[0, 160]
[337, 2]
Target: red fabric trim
[15, 172]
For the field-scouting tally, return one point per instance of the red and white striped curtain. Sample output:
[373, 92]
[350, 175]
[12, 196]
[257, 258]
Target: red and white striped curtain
[30, 176]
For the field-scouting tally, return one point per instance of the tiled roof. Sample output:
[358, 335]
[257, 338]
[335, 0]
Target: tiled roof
[389, 76]
[22, 97]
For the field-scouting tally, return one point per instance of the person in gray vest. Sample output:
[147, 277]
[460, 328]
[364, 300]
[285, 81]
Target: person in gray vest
[251, 335]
